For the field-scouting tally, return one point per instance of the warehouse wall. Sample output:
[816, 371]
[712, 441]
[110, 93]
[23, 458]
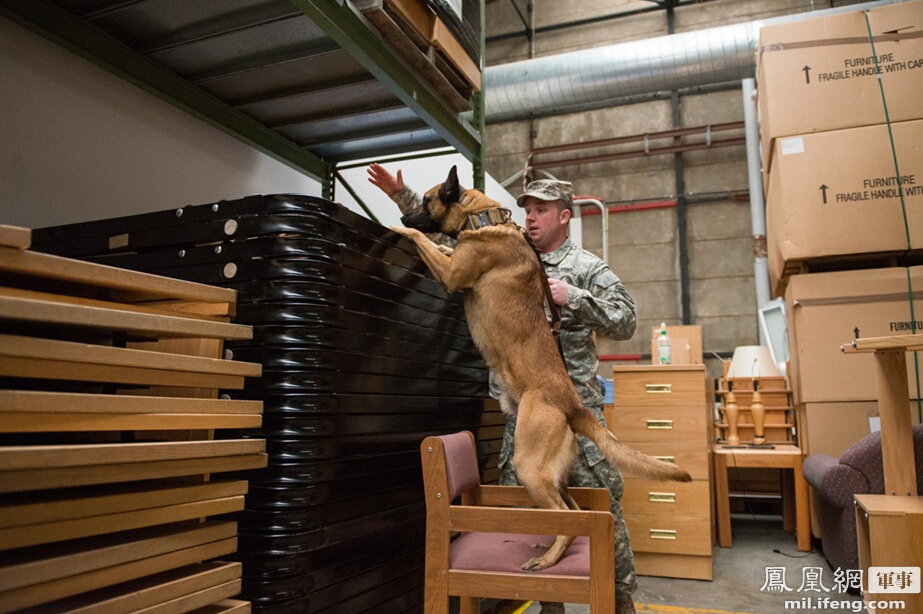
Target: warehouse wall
[81, 144]
[644, 245]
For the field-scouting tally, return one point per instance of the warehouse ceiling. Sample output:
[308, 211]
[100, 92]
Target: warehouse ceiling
[309, 82]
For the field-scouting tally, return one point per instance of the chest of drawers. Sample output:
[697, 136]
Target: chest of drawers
[665, 411]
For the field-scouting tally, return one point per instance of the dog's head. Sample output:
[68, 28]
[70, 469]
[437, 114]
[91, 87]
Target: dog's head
[446, 207]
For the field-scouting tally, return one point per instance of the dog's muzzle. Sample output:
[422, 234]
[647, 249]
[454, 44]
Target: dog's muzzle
[421, 220]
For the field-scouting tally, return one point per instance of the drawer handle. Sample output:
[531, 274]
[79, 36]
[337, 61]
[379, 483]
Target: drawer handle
[663, 534]
[660, 424]
[661, 497]
[666, 459]
[658, 388]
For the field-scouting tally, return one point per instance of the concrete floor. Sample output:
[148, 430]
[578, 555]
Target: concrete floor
[739, 574]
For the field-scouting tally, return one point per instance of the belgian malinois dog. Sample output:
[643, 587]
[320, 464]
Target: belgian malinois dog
[503, 283]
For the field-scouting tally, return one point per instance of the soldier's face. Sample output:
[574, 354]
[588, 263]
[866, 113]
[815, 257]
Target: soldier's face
[546, 223]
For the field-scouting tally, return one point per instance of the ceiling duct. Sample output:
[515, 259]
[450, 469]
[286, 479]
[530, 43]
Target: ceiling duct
[558, 83]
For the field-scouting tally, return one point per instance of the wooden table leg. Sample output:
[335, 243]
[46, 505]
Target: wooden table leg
[789, 510]
[802, 509]
[722, 503]
[896, 428]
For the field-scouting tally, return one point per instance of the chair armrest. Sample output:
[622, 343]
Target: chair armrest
[500, 496]
[535, 521]
[835, 482]
[815, 466]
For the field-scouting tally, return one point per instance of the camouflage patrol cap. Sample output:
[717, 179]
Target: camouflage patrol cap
[549, 190]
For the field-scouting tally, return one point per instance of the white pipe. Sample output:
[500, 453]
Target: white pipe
[604, 213]
[602, 74]
[757, 206]
[509, 180]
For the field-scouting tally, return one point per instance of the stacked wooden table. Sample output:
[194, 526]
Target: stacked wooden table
[110, 433]
[888, 525]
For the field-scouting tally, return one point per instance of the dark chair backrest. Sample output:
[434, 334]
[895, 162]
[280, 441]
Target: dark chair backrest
[461, 463]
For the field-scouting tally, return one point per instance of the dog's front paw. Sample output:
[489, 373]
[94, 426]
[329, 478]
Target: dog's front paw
[445, 249]
[536, 564]
[410, 233]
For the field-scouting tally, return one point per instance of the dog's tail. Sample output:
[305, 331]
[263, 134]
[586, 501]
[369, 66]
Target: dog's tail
[627, 459]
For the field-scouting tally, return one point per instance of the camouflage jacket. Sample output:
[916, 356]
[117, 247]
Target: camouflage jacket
[597, 302]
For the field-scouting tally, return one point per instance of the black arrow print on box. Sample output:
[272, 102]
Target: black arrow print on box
[823, 188]
[807, 74]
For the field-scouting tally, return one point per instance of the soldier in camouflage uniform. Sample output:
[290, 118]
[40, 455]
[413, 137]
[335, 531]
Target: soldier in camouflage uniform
[592, 299]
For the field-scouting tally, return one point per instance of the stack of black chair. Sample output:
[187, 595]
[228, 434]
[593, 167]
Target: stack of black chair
[363, 356]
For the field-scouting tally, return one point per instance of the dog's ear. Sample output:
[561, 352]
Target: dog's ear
[450, 192]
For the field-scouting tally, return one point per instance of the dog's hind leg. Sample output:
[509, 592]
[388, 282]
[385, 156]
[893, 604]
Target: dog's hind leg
[568, 499]
[543, 464]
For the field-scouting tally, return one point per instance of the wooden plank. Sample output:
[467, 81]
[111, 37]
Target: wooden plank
[28, 596]
[34, 422]
[226, 606]
[69, 351]
[58, 477]
[415, 14]
[412, 17]
[53, 359]
[24, 401]
[910, 343]
[39, 566]
[63, 456]
[57, 506]
[446, 42]
[152, 325]
[204, 598]
[153, 591]
[15, 237]
[137, 286]
[417, 59]
[168, 309]
[58, 370]
[32, 535]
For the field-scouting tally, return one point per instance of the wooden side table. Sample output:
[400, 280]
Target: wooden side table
[887, 529]
[782, 457]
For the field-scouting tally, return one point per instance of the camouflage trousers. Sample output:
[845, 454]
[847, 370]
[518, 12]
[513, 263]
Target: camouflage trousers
[600, 475]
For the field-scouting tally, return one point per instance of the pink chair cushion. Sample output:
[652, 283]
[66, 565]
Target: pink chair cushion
[506, 552]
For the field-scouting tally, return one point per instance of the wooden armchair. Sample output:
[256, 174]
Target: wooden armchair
[496, 538]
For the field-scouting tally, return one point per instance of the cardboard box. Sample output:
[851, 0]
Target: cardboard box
[819, 74]
[685, 344]
[836, 193]
[831, 428]
[825, 309]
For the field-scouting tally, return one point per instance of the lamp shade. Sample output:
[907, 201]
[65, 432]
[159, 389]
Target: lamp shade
[752, 361]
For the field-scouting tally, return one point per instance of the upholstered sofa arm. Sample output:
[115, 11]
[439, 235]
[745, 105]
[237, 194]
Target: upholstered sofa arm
[835, 482]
